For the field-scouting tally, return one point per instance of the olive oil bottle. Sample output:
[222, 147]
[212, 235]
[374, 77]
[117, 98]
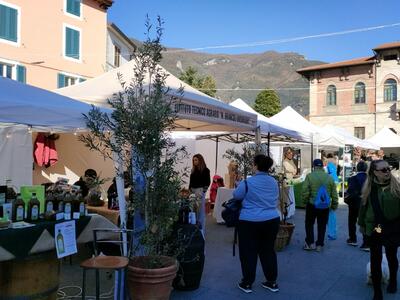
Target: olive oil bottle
[18, 210]
[33, 208]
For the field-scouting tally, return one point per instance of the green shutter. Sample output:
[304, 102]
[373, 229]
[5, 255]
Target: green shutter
[8, 23]
[21, 74]
[82, 79]
[74, 7]
[72, 43]
[60, 80]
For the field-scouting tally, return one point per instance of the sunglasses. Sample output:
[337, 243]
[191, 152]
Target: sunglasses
[384, 170]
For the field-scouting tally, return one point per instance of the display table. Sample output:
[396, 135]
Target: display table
[110, 214]
[29, 268]
[223, 194]
[298, 194]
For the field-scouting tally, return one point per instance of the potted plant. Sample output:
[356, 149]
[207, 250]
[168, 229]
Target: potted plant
[138, 132]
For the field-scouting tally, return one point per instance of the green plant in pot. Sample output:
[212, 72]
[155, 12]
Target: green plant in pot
[138, 132]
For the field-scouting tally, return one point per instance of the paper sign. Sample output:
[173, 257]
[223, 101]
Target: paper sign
[7, 210]
[26, 194]
[59, 216]
[65, 239]
[22, 224]
[77, 215]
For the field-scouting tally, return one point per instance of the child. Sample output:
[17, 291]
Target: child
[217, 182]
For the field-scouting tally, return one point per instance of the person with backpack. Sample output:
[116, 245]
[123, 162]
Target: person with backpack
[319, 195]
[331, 169]
[258, 225]
[353, 199]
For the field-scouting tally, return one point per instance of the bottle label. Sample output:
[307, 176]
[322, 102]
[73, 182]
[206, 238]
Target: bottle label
[67, 208]
[49, 206]
[82, 208]
[20, 213]
[35, 212]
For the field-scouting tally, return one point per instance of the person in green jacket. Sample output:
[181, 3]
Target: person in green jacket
[388, 197]
[311, 187]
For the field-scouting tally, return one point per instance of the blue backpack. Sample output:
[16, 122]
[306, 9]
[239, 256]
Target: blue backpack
[322, 199]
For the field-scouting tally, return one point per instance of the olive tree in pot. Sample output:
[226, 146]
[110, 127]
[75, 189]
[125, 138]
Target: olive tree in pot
[138, 131]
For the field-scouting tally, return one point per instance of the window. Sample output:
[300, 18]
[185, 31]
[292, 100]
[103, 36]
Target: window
[13, 71]
[72, 43]
[8, 23]
[73, 7]
[117, 56]
[359, 93]
[390, 57]
[359, 132]
[390, 90]
[64, 80]
[331, 95]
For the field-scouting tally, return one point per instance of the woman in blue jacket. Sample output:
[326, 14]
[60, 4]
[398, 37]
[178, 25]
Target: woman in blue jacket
[258, 225]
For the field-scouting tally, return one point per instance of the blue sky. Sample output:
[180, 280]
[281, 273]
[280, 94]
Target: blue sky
[192, 24]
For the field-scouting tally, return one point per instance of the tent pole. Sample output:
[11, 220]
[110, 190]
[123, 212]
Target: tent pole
[269, 142]
[258, 139]
[216, 155]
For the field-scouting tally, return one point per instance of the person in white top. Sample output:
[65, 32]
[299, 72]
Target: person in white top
[289, 167]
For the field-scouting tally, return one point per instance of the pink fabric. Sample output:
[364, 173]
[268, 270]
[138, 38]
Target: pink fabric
[45, 153]
[216, 183]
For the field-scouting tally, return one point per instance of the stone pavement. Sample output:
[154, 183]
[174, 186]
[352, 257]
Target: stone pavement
[338, 272]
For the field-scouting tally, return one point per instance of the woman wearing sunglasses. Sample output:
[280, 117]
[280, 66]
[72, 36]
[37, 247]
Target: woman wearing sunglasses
[379, 220]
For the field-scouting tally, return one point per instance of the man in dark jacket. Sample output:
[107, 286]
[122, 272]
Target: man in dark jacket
[353, 199]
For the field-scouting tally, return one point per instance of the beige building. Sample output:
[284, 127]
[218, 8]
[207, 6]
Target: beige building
[53, 43]
[120, 48]
[360, 95]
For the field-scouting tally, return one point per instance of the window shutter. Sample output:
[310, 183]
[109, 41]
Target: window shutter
[82, 79]
[21, 74]
[72, 43]
[8, 23]
[60, 80]
[74, 7]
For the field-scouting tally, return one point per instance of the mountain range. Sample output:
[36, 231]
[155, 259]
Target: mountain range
[245, 75]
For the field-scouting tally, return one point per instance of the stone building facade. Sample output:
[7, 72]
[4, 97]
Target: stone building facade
[360, 95]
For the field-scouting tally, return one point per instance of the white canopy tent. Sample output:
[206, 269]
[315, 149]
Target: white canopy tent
[339, 137]
[40, 109]
[385, 138]
[196, 111]
[269, 125]
[23, 109]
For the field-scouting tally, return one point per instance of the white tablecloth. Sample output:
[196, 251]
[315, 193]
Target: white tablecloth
[223, 194]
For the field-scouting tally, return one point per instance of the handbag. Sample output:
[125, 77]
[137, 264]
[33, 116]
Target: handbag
[231, 214]
[231, 211]
[389, 231]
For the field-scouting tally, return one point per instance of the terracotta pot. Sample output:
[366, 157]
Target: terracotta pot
[150, 284]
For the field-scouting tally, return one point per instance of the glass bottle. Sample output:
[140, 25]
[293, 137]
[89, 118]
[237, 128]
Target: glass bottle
[82, 205]
[11, 195]
[49, 203]
[68, 205]
[60, 242]
[18, 212]
[33, 208]
[60, 202]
